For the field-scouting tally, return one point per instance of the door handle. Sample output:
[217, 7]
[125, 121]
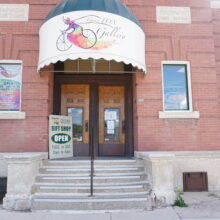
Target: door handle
[123, 126]
[86, 126]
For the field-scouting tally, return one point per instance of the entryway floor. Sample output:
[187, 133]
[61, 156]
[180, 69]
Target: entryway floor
[97, 158]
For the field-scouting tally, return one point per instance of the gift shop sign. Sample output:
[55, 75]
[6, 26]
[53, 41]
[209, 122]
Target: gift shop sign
[60, 137]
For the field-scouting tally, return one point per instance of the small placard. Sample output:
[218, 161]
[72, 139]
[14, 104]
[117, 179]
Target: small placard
[167, 14]
[215, 4]
[111, 125]
[14, 12]
[60, 137]
[110, 115]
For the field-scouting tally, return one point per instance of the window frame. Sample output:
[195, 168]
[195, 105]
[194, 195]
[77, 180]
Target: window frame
[189, 87]
[179, 113]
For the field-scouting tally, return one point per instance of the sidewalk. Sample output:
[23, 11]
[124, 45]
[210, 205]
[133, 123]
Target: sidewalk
[159, 214]
[201, 206]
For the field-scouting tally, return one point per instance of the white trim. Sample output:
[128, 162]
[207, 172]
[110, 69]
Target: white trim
[12, 61]
[12, 115]
[183, 113]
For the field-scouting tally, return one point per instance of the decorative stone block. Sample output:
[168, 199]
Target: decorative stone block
[22, 170]
[167, 14]
[14, 12]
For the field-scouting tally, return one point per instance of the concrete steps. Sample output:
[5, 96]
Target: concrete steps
[65, 185]
[92, 204]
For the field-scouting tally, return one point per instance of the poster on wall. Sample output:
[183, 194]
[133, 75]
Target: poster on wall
[10, 86]
[60, 137]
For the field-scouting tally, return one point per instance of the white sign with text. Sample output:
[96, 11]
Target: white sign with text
[60, 137]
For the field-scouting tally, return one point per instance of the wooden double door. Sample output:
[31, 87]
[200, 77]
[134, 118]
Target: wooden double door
[101, 114]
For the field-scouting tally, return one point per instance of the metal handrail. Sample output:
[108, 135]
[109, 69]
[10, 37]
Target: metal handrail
[92, 161]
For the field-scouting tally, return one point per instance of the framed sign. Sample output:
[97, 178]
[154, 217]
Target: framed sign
[60, 137]
[10, 85]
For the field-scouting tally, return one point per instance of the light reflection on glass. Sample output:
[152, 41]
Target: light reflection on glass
[77, 117]
[175, 87]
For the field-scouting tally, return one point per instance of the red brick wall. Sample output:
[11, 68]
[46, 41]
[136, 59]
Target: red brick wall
[19, 40]
[188, 42]
[198, 43]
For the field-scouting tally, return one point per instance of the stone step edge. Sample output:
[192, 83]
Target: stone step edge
[107, 168]
[91, 199]
[95, 187]
[142, 193]
[88, 160]
[101, 167]
[88, 185]
[88, 175]
[45, 177]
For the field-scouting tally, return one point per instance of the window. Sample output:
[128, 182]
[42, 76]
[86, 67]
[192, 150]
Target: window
[10, 89]
[177, 98]
[175, 87]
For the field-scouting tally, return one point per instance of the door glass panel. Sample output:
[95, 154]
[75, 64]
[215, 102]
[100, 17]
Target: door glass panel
[77, 117]
[111, 124]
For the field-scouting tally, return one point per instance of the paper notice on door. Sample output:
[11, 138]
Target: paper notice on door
[110, 131]
[110, 115]
[111, 125]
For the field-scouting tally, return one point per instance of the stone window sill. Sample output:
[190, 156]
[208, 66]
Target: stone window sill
[193, 115]
[12, 115]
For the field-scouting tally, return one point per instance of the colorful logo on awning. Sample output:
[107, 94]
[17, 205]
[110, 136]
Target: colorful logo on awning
[89, 32]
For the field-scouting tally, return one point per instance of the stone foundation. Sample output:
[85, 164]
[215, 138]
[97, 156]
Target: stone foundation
[22, 170]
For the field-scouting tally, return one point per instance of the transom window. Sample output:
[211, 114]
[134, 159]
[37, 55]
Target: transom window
[176, 86]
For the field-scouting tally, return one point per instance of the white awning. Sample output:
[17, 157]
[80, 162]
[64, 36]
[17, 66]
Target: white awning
[91, 34]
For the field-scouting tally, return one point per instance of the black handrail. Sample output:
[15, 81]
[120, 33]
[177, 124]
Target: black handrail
[92, 161]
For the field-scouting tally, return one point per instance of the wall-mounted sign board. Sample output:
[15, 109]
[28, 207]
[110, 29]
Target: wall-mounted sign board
[179, 15]
[60, 137]
[14, 12]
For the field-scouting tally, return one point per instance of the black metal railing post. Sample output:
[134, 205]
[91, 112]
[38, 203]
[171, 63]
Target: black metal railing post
[92, 161]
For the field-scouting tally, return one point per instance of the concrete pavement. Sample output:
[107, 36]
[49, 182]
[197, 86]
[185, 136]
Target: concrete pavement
[202, 206]
[159, 214]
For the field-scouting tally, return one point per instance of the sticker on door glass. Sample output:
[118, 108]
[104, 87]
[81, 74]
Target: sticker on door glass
[110, 115]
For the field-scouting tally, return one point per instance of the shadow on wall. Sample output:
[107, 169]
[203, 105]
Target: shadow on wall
[3, 187]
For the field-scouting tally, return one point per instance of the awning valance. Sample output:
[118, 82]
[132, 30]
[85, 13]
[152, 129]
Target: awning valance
[74, 31]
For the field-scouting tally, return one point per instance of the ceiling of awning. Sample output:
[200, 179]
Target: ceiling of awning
[96, 29]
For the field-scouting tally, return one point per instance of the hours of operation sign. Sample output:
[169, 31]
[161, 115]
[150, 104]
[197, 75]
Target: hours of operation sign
[60, 137]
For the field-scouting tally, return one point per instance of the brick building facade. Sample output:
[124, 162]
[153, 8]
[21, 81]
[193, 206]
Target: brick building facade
[196, 43]
[154, 129]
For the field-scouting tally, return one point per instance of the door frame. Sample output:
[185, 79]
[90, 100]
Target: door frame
[96, 80]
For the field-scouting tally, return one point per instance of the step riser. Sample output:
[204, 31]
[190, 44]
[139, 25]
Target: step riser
[87, 163]
[111, 190]
[87, 181]
[107, 205]
[87, 195]
[96, 172]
